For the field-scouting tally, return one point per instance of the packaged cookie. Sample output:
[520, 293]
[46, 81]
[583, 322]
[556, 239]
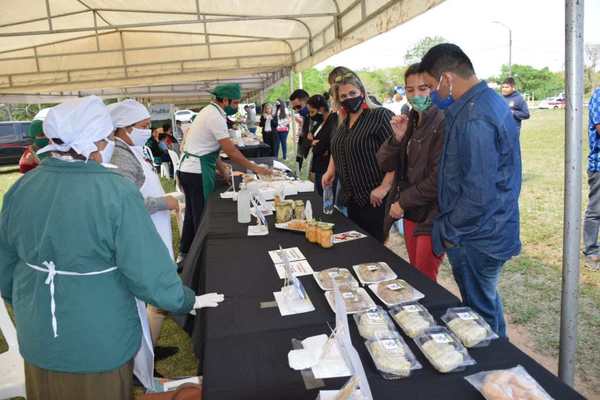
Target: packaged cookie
[374, 272]
[342, 276]
[396, 291]
[356, 299]
[375, 324]
[413, 318]
[392, 357]
[443, 350]
[470, 327]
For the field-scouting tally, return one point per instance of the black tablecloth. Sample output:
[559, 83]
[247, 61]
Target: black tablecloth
[244, 347]
[256, 150]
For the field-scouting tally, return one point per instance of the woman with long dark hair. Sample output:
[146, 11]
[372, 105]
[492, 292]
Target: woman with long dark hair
[324, 126]
[283, 128]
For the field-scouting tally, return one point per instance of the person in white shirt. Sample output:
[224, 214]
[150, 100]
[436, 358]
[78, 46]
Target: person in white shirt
[207, 136]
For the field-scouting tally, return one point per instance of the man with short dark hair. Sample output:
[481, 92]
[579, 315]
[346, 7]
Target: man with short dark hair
[298, 101]
[479, 180]
[514, 101]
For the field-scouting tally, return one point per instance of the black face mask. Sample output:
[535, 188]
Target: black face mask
[352, 105]
[317, 119]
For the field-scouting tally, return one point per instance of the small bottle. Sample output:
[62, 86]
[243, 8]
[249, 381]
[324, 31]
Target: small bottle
[243, 205]
[328, 200]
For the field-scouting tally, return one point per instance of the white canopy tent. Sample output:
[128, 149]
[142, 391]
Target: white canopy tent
[171, 51]
[77, 47]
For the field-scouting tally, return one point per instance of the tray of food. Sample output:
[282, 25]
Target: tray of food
[413, 318]
[341, 276]
[395, 292]
[356, 299]
[375, 324]
[443, 350]
[392, 357]
[470, 327]
[374, 272]
[296, 225]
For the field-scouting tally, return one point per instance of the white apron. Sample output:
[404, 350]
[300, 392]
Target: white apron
[143, 366]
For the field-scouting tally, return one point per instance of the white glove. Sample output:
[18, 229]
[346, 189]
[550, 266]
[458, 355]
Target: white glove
[207, 300]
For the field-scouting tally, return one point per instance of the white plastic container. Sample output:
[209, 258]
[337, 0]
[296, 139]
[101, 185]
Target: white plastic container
[243, 206]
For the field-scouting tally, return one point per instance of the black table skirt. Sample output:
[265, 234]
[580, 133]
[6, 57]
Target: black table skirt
[258, 150]
[243, 348]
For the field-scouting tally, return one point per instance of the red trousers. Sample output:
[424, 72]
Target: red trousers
[420, 251]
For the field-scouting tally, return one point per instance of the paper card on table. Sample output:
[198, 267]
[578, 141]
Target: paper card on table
[292, 254]
[299, 268]
[347, 236]
[258, 230]
[291, 307]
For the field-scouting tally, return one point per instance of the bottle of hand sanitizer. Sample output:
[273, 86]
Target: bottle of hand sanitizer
[243, 205]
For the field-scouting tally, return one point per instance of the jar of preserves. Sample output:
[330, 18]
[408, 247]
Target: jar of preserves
[312, 232]
[284, 212]
[325, 235]
[299, 209]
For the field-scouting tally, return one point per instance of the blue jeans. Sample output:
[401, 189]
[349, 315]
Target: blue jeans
[280, 138]
[477, 277]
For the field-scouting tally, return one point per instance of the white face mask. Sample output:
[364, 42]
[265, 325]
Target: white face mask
[107, 153]
[139, 137]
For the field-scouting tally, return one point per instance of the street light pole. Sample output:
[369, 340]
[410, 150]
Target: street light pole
[509, 45]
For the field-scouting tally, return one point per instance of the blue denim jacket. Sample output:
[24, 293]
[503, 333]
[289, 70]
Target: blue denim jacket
[480, 176]
[594, 137]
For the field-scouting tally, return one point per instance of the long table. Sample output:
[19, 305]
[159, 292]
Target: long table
[243, 346]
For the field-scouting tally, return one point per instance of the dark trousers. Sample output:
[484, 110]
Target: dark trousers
[477, 275]
[368, 218]
[591, 222]
[280, 139]
[268, 139]
[194, 206]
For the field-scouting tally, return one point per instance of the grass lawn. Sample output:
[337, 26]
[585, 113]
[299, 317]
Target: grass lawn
[530, 283]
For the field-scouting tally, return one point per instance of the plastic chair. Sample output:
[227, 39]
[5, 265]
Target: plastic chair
[12, 370]
[148, 154]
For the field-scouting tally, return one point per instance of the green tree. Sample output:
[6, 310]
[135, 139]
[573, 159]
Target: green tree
[539, 83]
[417, 52]
[313, 81]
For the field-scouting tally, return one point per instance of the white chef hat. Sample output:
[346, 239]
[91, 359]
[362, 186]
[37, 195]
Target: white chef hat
[127, 112]
[78, 123]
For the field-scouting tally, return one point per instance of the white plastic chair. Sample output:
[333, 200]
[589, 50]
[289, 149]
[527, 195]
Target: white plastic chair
[148, 154]
[12, 370]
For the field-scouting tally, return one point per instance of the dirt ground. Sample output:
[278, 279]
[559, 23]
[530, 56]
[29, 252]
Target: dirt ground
[518, 334]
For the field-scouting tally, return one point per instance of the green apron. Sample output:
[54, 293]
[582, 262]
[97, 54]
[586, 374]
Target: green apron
[208, 163]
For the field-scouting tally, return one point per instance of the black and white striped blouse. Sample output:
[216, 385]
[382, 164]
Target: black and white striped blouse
[354, 149]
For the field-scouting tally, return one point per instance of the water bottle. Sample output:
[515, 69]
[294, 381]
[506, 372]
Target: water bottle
[328, 200]
[243, 205]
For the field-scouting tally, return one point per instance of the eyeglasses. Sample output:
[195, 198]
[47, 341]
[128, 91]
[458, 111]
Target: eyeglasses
[342, 77]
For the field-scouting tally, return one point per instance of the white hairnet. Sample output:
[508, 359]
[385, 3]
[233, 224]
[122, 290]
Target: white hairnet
[78, 124]
[127, 112]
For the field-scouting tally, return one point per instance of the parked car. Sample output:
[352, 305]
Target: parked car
[553, 103]
[14, 139]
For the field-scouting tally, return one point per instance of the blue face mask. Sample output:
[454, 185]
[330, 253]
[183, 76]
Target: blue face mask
[441, 103]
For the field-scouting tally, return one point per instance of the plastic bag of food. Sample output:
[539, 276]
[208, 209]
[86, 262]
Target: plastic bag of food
[375, 324]
[392, 357]
[443, 350]
[413, 318]
[374, 272]
[342, 276]
[396, 291]
[508, 384]
[470, 327]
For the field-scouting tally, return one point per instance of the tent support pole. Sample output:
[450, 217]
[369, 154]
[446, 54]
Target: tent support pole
[573, 186]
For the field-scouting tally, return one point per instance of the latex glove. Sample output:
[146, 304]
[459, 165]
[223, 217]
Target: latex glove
[207, 300]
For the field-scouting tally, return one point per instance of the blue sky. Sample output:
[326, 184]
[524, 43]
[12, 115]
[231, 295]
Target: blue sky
[537, 25]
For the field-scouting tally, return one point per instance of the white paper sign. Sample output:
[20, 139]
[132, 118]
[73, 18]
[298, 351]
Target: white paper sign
[292, 254]
[299, 268]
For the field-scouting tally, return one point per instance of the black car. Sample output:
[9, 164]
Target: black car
[14, 139]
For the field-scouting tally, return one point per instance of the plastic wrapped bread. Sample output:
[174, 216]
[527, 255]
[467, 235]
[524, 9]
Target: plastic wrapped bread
[396, 291]
[392, 357]
[355, 299]
[469, 326]
[413, 318]
[375, 324]
[443, 350]
[508, 384]
[374, 272]
[342, 276]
